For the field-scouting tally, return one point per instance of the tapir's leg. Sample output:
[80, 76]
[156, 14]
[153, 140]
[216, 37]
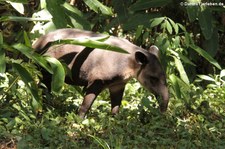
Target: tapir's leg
[116, 95]
[91, 93]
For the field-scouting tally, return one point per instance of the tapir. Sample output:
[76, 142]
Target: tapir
[98, 69]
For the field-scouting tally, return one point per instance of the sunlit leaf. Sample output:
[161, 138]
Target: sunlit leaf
[175, 85]
[180, 68]
[174, 25]
[207, 78]
[156, 21]
[29, 52]
[168, 27]
[77, 18]
[15, 18]
[58, 75]
[100, 142]
[26, 39]
[18, 6]
[222, 73]
[97, 6]
[18, 1]
[90, 42]
[59, 17]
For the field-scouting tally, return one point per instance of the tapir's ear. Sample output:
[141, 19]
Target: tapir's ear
[154, 50]
[141, 58]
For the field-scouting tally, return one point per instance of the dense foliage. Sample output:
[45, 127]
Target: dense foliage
[190, 35]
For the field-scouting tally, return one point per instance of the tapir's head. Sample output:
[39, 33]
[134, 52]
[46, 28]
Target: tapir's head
[151, 75]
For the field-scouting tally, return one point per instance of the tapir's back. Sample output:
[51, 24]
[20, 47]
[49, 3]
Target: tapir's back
[97, 63]
[42, 42]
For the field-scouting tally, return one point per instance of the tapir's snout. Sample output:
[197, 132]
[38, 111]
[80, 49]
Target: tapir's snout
[163, 98]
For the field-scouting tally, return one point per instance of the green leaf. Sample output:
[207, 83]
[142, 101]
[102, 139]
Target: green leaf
[19, 1]
[97, 7]
[222, 73]
[100, 142]
[18, 6]
[174, 25]
[90, 42]
[156, 21]
[175, 85]
[168, 27]
[146, 4]
[30, 83]
[29, 52]
[207, 78]
[182, 27]
[186, 60]
[206, 23]
[26, 39]
[180, 68]
[15, 18]
[192, 13]
[59, 17]
[205, 55]
[58, 75]
[76, 17]
[2, 55]
[134, 20]
[211, 45]
[138, 31]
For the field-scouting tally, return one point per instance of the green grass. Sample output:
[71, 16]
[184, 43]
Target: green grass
[138, 125]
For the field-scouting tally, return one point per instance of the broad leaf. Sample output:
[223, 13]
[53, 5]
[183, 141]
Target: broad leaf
[156, 21]
[222, 73]
[206, 23]
[59, 17]
[211, 45]
[138, 31]
[18, 1]
[207, 78]
[58, 75]
[175, 85]
[97, 6]
[206, 56]
[18, 6]
[29, 52]
[180, 68]
[192, 13]
[90, 42]
[30, 83]
[76, 17]
[174, 25]
[168, 27]
[133, 21]
[26, 39]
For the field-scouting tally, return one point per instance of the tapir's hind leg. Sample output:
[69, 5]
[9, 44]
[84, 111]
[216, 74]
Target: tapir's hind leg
[91, 93]
[116, 95]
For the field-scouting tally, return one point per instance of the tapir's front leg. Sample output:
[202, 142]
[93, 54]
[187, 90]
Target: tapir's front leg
[91, 93]
[116, 95]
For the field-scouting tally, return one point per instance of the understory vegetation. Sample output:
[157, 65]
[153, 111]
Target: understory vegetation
[191, 42]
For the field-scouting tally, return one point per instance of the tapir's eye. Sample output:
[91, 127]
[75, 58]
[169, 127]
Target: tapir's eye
[154, 80]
